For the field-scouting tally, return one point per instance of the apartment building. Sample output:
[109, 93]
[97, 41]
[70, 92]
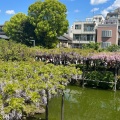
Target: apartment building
[84, 32]
[109, 32]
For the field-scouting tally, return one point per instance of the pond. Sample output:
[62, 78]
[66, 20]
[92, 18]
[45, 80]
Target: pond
[86, 104]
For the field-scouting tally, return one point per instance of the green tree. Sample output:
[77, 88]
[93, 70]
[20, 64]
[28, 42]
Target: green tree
[25, 87]
[19, 29]
[44, 23]
[49, 19]
[13, 27]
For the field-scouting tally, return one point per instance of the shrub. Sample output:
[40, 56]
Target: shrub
[102, 79]
[10, 50]
[106, 77]
[113, 48]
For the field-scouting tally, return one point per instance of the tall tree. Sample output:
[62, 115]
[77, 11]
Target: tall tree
[19, 28]
[44, 23]
[49, 19]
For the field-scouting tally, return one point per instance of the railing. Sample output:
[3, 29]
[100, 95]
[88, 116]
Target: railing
[83, 41]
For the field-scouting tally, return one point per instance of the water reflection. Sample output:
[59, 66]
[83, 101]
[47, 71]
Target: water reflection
[86, 104]
[71, 95]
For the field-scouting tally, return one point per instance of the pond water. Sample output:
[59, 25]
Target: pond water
[86, 104]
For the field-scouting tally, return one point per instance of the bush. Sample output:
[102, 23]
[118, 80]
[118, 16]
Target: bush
[92, 45]
[94, 75]
[106, 77]
[10, 50]
[113, 48]
[102, 79]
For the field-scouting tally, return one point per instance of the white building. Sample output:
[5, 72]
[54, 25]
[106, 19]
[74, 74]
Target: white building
[84, 32]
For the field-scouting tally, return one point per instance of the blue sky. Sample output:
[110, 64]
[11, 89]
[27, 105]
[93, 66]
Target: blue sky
[77, 9]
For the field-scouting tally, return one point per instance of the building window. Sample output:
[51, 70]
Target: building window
[76, 37]
[82, 37]
[100, 19]
[107, 33]
[88, 27]
[90, 38]
[105, 44]
[77, 26]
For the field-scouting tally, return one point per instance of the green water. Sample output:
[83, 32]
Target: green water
[86, 104]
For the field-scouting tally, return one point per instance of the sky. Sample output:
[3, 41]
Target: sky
[77, 10]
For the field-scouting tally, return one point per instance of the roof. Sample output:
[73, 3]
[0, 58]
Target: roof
[4, 37]
[62, 38]
[65, 37]
[108, 26]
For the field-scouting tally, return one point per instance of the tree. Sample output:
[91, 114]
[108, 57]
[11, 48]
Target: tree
[44, 23]
[19, 28]
[49, 19]
[25, 87]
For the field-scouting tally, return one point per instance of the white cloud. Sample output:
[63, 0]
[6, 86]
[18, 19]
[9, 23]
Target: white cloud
[115, 5]
[96, 2]
[0, 10]
[104, 12]
[10, 12]
[94, 9]
[76, 11]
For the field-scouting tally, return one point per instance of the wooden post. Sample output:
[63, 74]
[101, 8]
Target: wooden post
[115, 78]
[62, 107]
[83, 75]
[46, 115]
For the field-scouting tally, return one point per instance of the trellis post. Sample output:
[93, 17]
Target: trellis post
[46, 116]
[62, 106]
[83, 75]
[115, 83]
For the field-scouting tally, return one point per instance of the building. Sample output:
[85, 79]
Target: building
[84, 32]
[65, 41]
[2, 34]
[109, 32]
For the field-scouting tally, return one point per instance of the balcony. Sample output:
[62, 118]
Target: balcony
[88, 29]
[88, 32]
[81, 42]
